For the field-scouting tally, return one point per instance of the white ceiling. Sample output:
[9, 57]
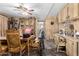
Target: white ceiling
[41, 10]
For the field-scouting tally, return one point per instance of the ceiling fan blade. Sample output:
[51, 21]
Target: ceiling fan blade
[25, 9]
[21, 6]
[29, 13]
[18, 7]
[31, 10]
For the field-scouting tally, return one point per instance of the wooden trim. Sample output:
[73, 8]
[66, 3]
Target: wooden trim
[78, 9]
[77, 49]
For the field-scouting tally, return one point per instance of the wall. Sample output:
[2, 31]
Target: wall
[50, 30]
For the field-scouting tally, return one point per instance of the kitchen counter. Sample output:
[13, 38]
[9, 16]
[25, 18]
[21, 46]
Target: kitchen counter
[72, 44]
[67, 37]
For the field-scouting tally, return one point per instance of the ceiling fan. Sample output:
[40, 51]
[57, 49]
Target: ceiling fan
[24, 9]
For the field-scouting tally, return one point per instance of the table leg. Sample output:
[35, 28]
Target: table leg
[28, 47]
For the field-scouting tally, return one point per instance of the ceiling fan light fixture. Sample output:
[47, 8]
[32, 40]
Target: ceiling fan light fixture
[24, 13]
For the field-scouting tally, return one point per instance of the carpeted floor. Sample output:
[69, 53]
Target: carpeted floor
[50, 50]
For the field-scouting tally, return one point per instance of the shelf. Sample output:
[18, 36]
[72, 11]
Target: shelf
[74, 18]
[70, 20]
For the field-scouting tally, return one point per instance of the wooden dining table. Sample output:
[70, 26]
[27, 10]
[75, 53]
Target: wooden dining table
[4, 38]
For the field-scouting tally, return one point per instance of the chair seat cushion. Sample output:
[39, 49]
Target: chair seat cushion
[14, 50]
[18, 49]
[3, 48]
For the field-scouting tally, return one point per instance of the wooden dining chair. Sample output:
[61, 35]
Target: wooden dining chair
[61, 44]
[33, 42]
[33, 45]
[14, 42]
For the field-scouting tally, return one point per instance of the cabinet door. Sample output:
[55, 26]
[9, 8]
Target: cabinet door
[72, 48]
[26, 22]
[71, 10]
[76, 25]
[31, 21]
[67, 47]
[59, 17]
[75, 53]
[64, 13]
[3, 25]
[0, 27]
[77, 49]
[76, 9]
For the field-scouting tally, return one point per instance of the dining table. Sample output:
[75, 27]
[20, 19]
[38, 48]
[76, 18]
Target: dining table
[22, 39]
